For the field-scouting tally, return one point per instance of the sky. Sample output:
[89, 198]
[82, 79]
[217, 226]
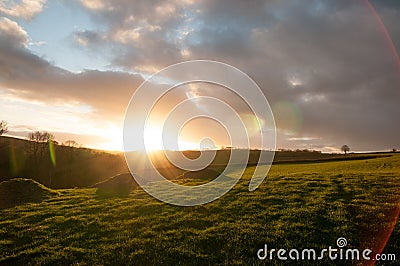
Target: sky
[329, 69]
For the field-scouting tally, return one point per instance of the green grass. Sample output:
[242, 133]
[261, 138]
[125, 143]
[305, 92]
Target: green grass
[306, 205]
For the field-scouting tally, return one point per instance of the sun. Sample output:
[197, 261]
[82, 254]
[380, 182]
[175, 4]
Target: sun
[153, 138]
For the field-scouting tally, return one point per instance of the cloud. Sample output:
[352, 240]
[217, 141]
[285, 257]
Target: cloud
[143, 35]
[328, 61]
[389, 13]
[11, 33]
[25, 9]
[94, 4]
[29, 76]
[88, 37]
[347, 77]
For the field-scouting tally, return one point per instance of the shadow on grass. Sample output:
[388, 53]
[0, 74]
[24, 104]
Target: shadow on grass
[116, 186]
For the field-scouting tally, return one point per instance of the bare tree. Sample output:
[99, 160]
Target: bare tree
[39, 136]
[70, 152]
[345, 149]
[3, 127]
[71, 143]
[37, 139]
[42, 143]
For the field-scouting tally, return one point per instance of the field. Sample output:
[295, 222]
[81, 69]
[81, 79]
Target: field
[299, 205]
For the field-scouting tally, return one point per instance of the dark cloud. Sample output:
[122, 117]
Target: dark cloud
[330, 61]
[88, 37]
[389, 13]
[348, 81]
[143, 35]
[11, 34]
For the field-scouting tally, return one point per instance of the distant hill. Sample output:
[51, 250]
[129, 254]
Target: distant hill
[222, 157]
[68, 167]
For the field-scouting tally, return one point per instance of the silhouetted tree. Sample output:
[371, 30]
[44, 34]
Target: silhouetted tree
[71, 143]
[37, 139]
[40, 136]
[3, 127]
[345, 149]
[70, 149]
[40, 143]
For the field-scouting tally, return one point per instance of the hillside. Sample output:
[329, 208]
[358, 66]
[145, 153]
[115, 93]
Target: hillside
[64, 167]
[69, 167]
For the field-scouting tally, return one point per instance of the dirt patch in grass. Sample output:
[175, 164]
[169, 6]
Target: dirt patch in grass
[20, 190]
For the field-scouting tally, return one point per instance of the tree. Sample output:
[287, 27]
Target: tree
[41, 143]
[70, 146]
[70, 151]
[3, 127]
[71, 143]
[39, 136]
[345, 149]
[37, 139]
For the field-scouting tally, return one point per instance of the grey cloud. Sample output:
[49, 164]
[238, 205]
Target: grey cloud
[348, 84]
[143, 35]
[12, 34]
[330, 59]
[88, 37]
[389, 13]
[344, 60]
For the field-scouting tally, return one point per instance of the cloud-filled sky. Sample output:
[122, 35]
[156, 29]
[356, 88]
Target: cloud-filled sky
[329, 69]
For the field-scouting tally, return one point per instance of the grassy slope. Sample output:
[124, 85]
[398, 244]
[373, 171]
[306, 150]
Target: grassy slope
[74, 167]
[297, 206]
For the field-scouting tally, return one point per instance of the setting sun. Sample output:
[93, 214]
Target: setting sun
[153, 138]
[153, 141]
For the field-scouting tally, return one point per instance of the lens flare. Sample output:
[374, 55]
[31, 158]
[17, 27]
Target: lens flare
[288, 116]
[52, 153]
[381, 240]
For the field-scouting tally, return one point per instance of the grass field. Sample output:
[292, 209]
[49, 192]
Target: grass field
[303, 205]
